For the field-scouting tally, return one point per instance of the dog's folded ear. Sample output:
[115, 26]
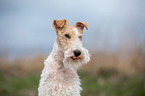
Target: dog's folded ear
[59, 24]
[80, 26]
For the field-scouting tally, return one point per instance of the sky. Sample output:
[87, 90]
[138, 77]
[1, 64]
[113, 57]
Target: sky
[26, 25]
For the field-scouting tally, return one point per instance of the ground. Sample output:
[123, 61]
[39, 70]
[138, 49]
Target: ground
[103, 84]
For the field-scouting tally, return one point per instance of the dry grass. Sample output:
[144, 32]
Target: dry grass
[118, 62]
[126, 63]
[22, 65]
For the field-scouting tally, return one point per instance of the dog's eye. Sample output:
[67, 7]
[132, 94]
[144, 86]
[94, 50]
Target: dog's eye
[66, 35]
[80, 37]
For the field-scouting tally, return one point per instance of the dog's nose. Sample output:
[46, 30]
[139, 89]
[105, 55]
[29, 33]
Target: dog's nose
[77, 53]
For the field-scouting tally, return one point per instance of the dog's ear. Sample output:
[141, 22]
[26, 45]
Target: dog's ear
[80, 26]
[59, 24]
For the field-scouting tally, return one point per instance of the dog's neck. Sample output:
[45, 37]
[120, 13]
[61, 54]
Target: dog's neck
[57, 53]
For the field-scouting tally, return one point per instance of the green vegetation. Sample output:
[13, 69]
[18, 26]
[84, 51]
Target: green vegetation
[103, 85]
[18, 86]
[93, 85]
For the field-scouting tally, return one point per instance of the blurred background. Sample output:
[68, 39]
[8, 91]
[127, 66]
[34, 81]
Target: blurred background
[115, 39]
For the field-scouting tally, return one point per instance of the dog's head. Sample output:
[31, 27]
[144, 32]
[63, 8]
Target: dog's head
[70, 40]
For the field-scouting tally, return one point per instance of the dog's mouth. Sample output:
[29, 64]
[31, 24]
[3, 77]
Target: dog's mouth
[75, 58]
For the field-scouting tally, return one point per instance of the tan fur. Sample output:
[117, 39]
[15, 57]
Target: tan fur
[80, 26]
[64, 41]
[59, 24]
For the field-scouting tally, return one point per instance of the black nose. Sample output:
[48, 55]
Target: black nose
[77, 53]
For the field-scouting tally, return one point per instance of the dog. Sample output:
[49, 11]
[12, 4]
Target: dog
[59, 76]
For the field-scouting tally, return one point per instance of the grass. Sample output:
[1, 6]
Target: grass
[112, 86]
[93, 85]
[18, 86]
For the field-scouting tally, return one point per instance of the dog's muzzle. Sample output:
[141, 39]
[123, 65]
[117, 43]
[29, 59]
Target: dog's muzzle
[76, 53]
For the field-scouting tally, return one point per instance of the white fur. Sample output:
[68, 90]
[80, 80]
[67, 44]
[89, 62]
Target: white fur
[76, 31]
[59, 76]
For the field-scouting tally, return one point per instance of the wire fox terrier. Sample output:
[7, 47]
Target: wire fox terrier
[59, 76]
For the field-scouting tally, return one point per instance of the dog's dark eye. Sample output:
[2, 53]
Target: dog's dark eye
[80, 37]
[66, 35]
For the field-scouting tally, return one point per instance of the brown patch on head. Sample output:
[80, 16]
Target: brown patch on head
[69, 29]
[72, 32]
[68, 34]
[59, 24]
[80, 26]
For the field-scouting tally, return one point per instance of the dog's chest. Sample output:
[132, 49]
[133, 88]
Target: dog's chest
[63, 77]
[62, 83]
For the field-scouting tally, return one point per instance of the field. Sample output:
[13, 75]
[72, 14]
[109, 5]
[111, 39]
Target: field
[93, 85]
[106, 74]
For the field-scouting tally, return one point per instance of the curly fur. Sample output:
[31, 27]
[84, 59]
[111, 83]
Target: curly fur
[59, 76]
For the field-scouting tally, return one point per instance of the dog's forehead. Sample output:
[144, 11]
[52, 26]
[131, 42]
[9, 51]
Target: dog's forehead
[71, 29]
